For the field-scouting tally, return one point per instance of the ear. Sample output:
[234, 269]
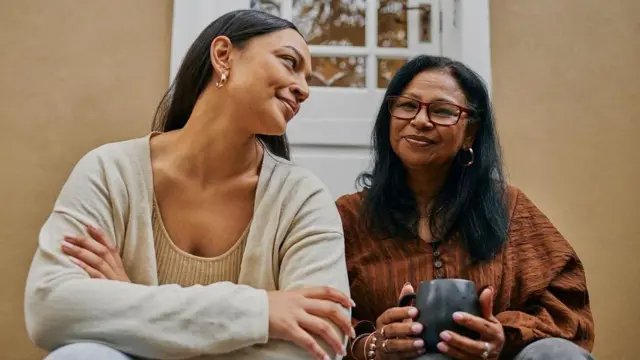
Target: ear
[470, 134]
[220, 53]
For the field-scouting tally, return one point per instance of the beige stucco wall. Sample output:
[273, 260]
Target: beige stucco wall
[76, 74]
[565, 84]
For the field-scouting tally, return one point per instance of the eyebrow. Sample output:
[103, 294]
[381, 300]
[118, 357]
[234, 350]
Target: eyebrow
[438, 99]
[300, 58]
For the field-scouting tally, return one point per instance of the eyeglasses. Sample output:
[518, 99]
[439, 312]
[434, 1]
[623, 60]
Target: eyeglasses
[441, 113]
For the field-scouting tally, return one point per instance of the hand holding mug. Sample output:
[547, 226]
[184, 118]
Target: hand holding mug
[395, 338]
[491, 334]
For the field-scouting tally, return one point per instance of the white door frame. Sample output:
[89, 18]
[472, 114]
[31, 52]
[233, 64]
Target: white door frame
[334, 142]
[466, 23]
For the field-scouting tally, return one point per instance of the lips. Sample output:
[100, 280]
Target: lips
[291, 107]
[418, 141]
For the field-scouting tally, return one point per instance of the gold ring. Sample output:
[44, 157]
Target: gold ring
[382, 333]
[384, 346]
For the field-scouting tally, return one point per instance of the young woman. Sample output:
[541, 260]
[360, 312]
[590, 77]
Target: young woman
[436, 205]
[200, 239]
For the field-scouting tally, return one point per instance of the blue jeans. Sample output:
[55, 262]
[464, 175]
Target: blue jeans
[546, 349]
[85, 351]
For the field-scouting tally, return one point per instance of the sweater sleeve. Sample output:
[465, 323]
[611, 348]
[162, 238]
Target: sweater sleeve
[550, 290]
[63, 305]
[312, 253]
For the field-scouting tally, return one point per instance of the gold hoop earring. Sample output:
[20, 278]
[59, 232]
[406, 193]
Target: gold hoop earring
[471, 156]
[223, 79]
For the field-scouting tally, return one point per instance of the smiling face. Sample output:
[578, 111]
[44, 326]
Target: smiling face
[267, 79]
[419, 142]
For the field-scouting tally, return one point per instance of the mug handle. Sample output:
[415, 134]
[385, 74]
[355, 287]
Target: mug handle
[406, 299]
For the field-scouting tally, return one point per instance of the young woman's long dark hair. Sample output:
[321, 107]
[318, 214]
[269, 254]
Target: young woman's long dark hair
[472, 204]
[196, 70]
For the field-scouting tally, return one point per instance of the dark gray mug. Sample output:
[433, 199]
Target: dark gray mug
[436, 301]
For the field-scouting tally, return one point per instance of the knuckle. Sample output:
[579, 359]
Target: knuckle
[324, 329]
[298, 298]
[309, 343]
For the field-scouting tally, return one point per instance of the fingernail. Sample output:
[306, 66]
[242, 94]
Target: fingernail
[418, 343]
[413, 312]
[353, 303]
[416, 328]
[353, 333]
[68, 245]
[326, 357]
[445, 336]
[442, 347]
[458, 316]
[405, 284]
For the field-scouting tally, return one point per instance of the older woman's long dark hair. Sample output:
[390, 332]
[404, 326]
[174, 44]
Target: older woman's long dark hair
[471, 205]
[196, 70]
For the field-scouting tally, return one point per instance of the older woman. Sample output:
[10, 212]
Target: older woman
[436, 205]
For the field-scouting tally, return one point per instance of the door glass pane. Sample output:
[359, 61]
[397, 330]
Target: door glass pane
[273, 7]
[387, 68]
[392, 23]
[331, 22]
[345, 71]
[425, 23]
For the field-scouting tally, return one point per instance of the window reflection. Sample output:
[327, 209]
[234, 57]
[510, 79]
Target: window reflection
[387, 68]
[392, 23]
[342, 71]
[273, 7]
[331, 22]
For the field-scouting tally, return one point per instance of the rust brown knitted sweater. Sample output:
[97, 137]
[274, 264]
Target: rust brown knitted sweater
[539, 280]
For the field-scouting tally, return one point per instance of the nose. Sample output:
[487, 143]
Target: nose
[422, 121]
[300, 90]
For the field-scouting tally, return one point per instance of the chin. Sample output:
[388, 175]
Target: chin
[274, 127]
[414, 161]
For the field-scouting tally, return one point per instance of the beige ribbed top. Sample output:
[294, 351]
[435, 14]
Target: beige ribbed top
[176, 266]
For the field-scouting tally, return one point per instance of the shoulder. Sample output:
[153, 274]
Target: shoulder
[108, 170]
[350, 206]
[297, 193]
[353, 201]
[117, 156]
[522, 210]
[532, 235]
[350, 210]
[294, 180]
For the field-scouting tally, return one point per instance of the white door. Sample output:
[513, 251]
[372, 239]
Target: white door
[356, 47]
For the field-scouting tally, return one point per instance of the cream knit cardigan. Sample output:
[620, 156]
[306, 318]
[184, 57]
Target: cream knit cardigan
[295, 241]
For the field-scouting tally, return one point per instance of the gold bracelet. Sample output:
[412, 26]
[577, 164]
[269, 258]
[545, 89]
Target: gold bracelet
[371, 354]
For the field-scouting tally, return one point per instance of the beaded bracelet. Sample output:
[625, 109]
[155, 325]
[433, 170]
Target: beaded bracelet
[371, 354]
